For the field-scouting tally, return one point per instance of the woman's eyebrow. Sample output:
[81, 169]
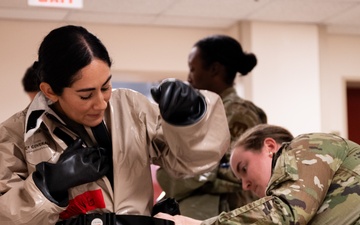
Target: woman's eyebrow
[85, 90]
[91, 89]
[107, 80]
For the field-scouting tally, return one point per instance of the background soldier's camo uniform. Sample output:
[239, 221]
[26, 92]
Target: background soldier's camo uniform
[209, 194]
[315, 181]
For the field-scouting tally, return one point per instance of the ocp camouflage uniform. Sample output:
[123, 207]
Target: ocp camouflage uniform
[315, 180]
[209, 194]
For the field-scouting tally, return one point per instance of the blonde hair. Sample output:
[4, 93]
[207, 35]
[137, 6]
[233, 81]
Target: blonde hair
[253, 138]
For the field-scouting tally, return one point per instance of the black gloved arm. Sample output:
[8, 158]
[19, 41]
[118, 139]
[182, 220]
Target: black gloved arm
[179, 103]
[41, 178]
[76, 166]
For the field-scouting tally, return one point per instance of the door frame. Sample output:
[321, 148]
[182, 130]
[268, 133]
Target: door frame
[353, 82]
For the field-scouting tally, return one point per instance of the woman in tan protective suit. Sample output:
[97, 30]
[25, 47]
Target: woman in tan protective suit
[81, 152]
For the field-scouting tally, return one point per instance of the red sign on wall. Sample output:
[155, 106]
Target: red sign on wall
[57, 3]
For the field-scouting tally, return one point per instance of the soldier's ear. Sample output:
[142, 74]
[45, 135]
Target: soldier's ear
[217, 69]
[271, 145]
[48, 92]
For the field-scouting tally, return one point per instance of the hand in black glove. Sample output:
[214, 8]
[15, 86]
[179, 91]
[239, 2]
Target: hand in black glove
[166, 205]
[76, 166]
[179, 103]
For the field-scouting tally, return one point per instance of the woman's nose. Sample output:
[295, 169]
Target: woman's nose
[188, 78]
[246, 184]
[100, 102]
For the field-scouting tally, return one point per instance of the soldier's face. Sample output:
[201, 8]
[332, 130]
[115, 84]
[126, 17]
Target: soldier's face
[199, 77]
[253, 168]
[87, 98]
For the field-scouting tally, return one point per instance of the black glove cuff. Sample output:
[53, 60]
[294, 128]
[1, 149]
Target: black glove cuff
[39, 176]
[197, 112]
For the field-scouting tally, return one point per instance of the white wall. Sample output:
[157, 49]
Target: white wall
[340, 62]
[18, 44]
[286, 80]
[299, 79]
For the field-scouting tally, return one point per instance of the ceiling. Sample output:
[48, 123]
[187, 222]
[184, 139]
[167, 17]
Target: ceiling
[337, 15]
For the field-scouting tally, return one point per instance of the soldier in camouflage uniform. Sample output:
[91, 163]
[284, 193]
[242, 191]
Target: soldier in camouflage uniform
[214, 62]
[311, 179]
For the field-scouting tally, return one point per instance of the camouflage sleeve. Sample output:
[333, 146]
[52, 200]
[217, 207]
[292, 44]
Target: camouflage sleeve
[242, 115]
[240, 119]
[300, 181]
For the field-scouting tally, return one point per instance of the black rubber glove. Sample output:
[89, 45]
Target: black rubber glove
[76, 166]
[179, 103]
[166, 205]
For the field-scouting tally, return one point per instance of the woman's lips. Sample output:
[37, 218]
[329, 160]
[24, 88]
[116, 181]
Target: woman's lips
[97, 115]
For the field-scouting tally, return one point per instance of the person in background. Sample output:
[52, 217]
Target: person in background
[80, 153]
[313, 178]
[30, 82]
[214, 62]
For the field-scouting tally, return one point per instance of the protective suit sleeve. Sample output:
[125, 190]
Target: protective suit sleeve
[21, 202]
[195, 148]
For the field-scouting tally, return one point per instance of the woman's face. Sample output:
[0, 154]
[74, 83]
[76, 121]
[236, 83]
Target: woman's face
[199, 77]
[87, 98]
[253, 168]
